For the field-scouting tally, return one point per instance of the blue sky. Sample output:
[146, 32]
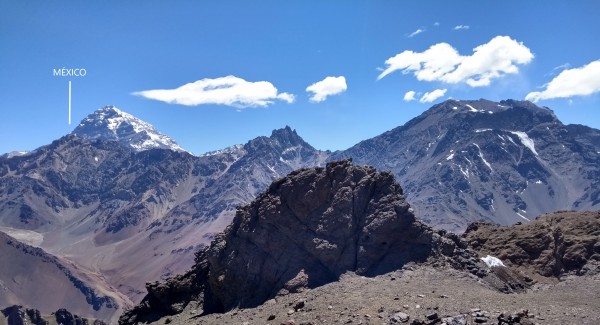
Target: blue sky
[248, 64]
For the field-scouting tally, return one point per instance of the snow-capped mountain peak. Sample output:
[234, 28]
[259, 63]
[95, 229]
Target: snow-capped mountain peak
[112, 124]
[236, 148]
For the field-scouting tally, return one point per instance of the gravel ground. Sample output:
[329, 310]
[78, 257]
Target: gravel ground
[417, 291]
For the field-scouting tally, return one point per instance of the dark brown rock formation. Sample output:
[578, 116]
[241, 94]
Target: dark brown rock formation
[551, 245]
[306, 230]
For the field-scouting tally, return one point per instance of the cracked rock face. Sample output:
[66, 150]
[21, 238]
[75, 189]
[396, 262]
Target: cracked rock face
[306, 230]
[311, 227]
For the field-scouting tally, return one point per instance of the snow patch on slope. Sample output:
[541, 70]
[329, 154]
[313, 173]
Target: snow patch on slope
[482, 158]
[520, 215]
[526, 141]
[471, 108]
[492, 261]
[16, 154]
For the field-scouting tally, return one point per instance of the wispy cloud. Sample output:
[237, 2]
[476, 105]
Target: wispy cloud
[442, 62]
[436, 24]
[461, 27]
[327, 87]
[417, 32]
[433, 95]
[571, 82]
[557, 69]
[562, 66]
[410, 96]
[229, 90]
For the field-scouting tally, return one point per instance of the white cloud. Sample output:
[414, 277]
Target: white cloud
[417, 32]
[459, 27]
[442, 62]
[286, 97]
[572, 82]
[431, 96]
[410, 96]
[327, 87]
[436, 24]
[229, 90]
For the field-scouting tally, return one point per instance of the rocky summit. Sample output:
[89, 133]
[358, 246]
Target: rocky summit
[306, 230]
[111, 124]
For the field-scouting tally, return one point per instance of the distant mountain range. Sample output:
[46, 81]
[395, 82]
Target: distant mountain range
[114, 202]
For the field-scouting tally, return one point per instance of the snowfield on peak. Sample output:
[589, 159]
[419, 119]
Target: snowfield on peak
[112, 124]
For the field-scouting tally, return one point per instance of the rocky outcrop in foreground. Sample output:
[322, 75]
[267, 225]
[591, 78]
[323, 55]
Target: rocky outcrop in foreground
[552, 245]
[306, 230]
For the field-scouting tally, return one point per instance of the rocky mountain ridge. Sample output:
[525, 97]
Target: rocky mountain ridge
[467, 161]
[553, 245]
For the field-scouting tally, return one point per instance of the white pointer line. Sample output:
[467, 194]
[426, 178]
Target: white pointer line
[69, 102]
